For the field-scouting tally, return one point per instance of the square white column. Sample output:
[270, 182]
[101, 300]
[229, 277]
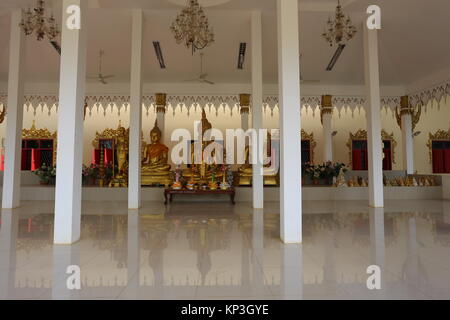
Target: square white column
[407, 143]
[70, 127]
[14, 119]
[257, 91]
[327, 137]
[134, 167]
[290, 122]
[373, 114]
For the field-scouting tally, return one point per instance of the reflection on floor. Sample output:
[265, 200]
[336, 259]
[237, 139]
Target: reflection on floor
[219, 251]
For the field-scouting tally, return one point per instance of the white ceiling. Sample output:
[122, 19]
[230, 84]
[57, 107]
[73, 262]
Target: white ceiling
[413, 41]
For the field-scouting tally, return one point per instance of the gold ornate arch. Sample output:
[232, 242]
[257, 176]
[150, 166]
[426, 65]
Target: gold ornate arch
[44, 133]
[312, 143]
[362, 135]
[440, 135]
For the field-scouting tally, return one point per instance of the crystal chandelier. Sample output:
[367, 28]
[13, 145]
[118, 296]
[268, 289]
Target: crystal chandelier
[192, 27]
[39, 23]
[339, 30]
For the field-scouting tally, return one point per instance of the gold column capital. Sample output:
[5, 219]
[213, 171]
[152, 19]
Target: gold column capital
[161, 102]
[244, 102]
[326, 106]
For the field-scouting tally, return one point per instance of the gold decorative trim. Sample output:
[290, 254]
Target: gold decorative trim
[326, 106]
[244, 100]
[362, 135]
[312, 143]
[34, 133]
[245, 110]
[110, 134]
[3, 114]
[440, 135]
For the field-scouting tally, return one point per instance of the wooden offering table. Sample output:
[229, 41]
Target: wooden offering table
[169, 193]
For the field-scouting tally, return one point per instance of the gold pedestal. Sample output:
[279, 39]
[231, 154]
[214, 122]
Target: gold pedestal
[119, 181]
[150, 179]
[269, 180]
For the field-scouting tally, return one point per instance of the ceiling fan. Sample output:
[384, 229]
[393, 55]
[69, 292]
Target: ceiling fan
[301, 77]
[202, 77]
[100, 77]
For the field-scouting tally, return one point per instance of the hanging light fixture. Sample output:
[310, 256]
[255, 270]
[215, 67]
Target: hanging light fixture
[340, 30]
[38, 22]
[192, 27]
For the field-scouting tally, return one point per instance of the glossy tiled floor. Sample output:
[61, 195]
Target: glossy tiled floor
[217, 251]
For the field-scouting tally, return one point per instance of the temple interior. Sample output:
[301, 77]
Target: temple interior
[115, 157]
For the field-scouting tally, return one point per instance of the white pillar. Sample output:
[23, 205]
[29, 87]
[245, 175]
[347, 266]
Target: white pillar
[327, 116]
[161, 102]
[70, 128]
[290, 124]
[407, 135]
[374, 145]
[14, 120]
[257, 91]
[134, 167]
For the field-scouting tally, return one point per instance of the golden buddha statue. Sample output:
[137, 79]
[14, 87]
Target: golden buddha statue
[245, 171]
[203, 173]
[155, 169]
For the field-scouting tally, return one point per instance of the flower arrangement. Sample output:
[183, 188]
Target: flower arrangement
[46, 174]
[326, 171]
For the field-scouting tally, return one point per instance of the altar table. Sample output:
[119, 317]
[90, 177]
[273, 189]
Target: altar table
[169, 193]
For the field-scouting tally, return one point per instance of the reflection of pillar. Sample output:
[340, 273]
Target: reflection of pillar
[133, 250]
[161, 103]
[8, 236]
[446, 211]
[134, 167]
[11, 176]
[290, 122]
[244, 104]
[377, 242]
[258, 252]
[373, 111]
[292, 271]
[257, 101]
[70, 128]
[406, 113]
[326, 114]
[412, 258]
[63, 257]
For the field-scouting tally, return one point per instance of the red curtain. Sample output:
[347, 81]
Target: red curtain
[438, 161]
[108, 156]
[35, 159]
[387, 161]
[96, 156]
[447, 160]
[356, 160]
[2, 163]
[24, 160]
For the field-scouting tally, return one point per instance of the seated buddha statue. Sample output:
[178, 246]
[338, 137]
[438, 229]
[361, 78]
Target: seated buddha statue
[245, 171]
[203, 172]
[155, 169]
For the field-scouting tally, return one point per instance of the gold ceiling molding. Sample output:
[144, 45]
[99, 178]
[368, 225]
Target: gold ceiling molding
[432, 94]
[439, 135]
[362, 135]
[312, 143]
